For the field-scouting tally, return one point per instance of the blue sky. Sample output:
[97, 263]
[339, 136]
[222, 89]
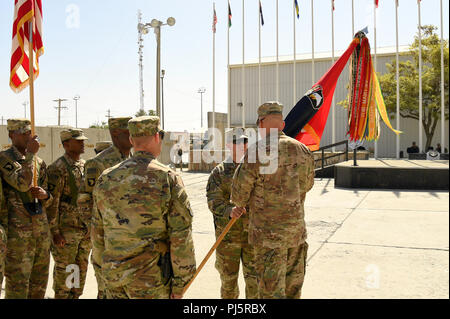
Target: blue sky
[97, 57]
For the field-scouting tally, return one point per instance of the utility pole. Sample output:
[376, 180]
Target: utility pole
[108, 114]
[76, 98]
[25, 106]
[2, 119]
[59, 107]
[163, 73]
[141, 32]
[201, 91]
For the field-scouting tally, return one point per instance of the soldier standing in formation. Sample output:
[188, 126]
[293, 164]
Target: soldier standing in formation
[28, 240]
[69, 228]
[113, 155]
[235, 247]
[277, 227]
[142, 223]
[20, 178]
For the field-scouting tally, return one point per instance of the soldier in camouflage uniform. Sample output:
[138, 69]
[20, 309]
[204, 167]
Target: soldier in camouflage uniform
[142, 223]
[276, 198]
[28, 246]
[69, 227]
[20, 178]
[234, 248]
[113, 155]
[101, 146]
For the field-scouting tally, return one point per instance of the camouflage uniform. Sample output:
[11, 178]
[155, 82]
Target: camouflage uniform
[66, 219]
[93, 168]
[19, 177]
[101, 146]
[277, 227]
[28, 246]
[234, 247]
[142, 225]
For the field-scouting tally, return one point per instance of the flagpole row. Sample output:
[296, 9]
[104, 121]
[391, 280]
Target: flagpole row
[294, 72]
[313, 75]
[243, 64]
[420, 82]
[333, 107]
[442, 83]
[278, 62]
[398, 81]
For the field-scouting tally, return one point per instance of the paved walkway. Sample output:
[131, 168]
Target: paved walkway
[363, 243]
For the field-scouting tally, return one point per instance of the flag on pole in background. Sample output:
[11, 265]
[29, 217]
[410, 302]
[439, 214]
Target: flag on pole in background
[396, 3]
[376, 3]
[24, 11]
[297, 9]
[229, 15]
[214, 21]
[332, 2]
[261, 13]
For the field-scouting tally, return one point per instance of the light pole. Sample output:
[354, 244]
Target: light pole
[156, 25]
[76, 98]
[25, 104]
[201, 91]
[163, 72]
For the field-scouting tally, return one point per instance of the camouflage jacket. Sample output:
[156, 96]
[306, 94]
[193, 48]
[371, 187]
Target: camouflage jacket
[64, 214]
[140, 207]
[93, 168]
[276, 200]
[17, 176]
[18, 216]
[218, 192]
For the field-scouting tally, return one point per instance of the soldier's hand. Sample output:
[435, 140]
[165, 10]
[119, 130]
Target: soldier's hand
[59, 240]
[173, 296]
[33, 145]
[237, 212]
[39, 193]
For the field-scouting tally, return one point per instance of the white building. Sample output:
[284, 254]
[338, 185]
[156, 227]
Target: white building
[323, 61]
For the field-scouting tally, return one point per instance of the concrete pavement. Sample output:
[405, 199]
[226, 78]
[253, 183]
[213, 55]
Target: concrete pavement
[363, 243]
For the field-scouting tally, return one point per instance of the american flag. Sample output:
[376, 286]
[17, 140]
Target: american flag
[376, 3]
[24, 11]
[214, 21]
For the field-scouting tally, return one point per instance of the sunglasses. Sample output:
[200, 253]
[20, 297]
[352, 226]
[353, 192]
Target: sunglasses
[161, 134]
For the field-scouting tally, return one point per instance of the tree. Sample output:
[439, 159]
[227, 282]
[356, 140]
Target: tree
[409, 83]
[142, 113]
[99, 125]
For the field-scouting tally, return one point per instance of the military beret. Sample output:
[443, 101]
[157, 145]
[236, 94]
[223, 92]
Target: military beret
[21, 125]
[119, 122]
[101, 146]
[72, 133]
[236, 135]
[144, 126]
[270, 108]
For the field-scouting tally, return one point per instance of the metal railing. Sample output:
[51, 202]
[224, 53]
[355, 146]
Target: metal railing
[322, 150]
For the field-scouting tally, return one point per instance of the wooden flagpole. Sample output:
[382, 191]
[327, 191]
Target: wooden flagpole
[219, 240]
[31, 82]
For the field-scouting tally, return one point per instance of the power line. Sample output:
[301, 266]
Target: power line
[59, 107]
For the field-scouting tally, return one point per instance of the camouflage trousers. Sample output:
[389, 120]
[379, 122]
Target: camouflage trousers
[27, 264]
[101, 294]
[280, 271]
[71, 263]
[138, 289]
[228, 259]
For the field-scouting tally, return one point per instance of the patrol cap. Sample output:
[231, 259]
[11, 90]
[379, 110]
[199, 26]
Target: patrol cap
[268, 108]
[119, 122]
[144, 126]
[72, 133]
[20, 125]
[101, 146]
[236, 135]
